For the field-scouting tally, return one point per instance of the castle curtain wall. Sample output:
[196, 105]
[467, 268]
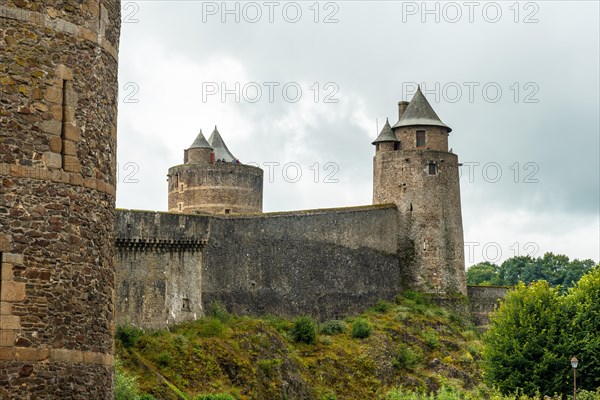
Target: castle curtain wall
[327, 263]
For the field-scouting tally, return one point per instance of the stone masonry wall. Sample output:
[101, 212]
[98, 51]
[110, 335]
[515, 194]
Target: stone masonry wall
[58, 102]
[483, 300]
[429, 204]
[159, 267]
[327, 263]
[218, 188]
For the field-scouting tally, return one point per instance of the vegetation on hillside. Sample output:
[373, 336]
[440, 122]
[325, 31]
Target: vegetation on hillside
[557, 270]
[409, 345]
[407, 350]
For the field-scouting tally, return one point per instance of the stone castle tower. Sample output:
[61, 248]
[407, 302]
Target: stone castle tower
[212, 180]
[58, 116]
[413, 168]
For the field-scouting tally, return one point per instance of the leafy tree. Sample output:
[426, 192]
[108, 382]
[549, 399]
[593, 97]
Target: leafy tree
[525, 343]
[484, 273]
[556, 269]
[535, 332]
[584, 304]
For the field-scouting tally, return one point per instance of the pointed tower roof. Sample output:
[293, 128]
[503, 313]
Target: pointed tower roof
[219, 147]
[420, 112]
[386, 134]
[200, 142]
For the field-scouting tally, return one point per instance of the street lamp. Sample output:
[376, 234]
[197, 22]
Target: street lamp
[574, 363]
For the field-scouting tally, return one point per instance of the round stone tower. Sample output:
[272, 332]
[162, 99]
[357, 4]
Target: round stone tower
[212, 180]
[413, 168]
[58, 116]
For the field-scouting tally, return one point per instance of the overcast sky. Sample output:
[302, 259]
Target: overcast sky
[302, 87]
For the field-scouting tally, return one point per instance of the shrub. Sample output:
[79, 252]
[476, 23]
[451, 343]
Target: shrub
[333, 327]
[269, 367]
[164, 358]
[417, 297]
[361, 328]
[219, 396]
[146, 397]
[406, 357]
[329, 396]
[128, 335]
[218, 311]
[431, 338]
[382, 306]
[210, 327]
[304, 330]
[126, 387]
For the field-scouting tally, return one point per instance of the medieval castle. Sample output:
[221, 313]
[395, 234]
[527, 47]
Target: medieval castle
[72, 266]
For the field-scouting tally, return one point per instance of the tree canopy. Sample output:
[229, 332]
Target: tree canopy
[555, 269]
[535, 332]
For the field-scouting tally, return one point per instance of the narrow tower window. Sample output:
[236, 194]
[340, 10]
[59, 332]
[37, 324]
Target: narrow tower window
[396, 145]
[420, 138]
[63, 129]
[1, 273]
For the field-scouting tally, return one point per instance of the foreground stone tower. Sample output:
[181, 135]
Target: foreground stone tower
[58, 115]
[413, 168]
[212, 180]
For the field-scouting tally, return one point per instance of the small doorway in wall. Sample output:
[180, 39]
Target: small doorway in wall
[185, 304]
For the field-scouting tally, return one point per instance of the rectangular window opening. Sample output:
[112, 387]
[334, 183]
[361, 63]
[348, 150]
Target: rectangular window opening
[432, 169]
[420, 138]
[396, 145]
[227, 211]
[185, 304]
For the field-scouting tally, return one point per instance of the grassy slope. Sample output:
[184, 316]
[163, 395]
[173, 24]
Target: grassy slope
[412, 344]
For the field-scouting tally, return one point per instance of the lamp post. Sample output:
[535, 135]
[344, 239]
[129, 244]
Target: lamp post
[574, 363]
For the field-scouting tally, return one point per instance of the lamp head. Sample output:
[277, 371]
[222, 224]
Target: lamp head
[574, 362]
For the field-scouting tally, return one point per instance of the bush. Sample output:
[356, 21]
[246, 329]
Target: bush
[431, 338]
[218, 311]
[416, 297]
[220, 396]
[126, 387]
[587, 395]
[304, 330]
[210, 327]
[128, 335]
[164, 358]
[382, 306]
[333, 327]
[361, 328]
[269, 367]
[406, 357]
[146, 397]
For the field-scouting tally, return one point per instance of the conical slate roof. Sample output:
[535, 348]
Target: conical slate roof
[386, 135]
[420, 112]
[200, 142]
[219, 147]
